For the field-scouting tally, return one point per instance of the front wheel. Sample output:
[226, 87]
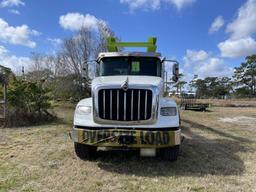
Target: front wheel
[85, 151]
[171, 153]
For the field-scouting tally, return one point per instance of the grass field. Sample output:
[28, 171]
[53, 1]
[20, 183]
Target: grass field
[218, 154]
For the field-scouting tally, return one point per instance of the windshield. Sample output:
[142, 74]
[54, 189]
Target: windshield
[149, 66]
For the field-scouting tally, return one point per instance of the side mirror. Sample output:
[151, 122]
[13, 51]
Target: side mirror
[175, 69]
[89, 69]
[175, 72]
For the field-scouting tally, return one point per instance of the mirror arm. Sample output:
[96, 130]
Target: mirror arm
[97, 61]
[176, 65]
[173, 61]
[163, 60]
[170, 60]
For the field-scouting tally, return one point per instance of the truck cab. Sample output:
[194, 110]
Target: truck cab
[128, 109]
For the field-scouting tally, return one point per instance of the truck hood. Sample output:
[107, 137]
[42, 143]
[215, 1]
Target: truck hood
[132, 80]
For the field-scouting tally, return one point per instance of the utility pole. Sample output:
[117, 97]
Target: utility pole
[23, 72]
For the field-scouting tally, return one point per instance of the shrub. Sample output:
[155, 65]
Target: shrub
[28, 102]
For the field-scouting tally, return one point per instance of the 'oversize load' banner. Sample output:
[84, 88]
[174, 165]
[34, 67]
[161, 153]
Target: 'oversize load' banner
[130, 138]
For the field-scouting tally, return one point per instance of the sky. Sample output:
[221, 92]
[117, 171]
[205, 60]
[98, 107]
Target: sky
[207, 37]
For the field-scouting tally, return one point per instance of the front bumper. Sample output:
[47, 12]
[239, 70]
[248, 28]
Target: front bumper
[134, 138]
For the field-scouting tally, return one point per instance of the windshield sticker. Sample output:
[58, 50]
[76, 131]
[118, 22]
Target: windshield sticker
[135, 66]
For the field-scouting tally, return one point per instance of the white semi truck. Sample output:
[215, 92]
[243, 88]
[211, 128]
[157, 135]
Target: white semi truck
[128, 109]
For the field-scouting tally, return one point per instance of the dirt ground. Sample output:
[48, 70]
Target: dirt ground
[218, 154]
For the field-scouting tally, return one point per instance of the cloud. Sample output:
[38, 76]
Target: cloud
[2, 50]
[212, 67]
[217, 24]
[14, 11]
[237, 48]
[19, 35]
[55, 41]
[12, 61]
[193, 56]
[245, 23]
[204, 65]
[75, 21]
[179, 4]
[155, 4]
[146, 4]
[11, 3]
[241, 42]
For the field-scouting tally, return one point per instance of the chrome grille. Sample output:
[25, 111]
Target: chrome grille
[120, 105]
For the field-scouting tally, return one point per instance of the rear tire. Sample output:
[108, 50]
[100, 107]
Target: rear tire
[171, 153]
[85, 151]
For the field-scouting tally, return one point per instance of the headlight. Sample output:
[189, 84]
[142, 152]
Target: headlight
[83, 110]
[168, 111]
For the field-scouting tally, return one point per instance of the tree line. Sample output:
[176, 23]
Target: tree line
[241, 85]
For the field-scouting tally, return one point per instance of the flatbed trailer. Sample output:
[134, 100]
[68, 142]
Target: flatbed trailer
[192, 104]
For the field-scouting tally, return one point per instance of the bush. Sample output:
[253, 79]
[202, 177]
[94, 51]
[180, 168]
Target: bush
[28, 103]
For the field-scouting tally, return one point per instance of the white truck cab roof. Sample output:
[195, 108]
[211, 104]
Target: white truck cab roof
[128, 54]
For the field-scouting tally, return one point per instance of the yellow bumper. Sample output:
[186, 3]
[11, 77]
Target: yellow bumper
[127, 138]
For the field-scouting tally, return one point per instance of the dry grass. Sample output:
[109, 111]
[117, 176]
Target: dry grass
[216, 156]
[230, 102]
[223, 102]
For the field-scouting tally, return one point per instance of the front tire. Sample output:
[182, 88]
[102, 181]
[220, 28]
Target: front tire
[85, 151]
[171, 153]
